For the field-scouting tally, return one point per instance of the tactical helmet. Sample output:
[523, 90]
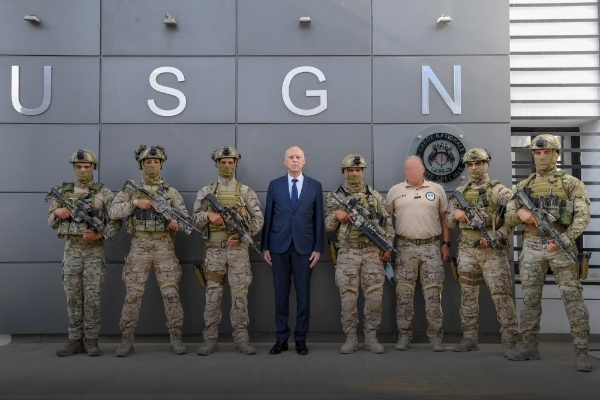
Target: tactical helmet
[225, 152]
[84, 156]
[150, 152]
[546, 141]
[477, 154]
[353, 161]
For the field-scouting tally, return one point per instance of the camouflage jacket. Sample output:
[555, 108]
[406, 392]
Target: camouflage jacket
[500, 195]
[332, 223]
[202, 207]
[576, 192]
[124, 204]
[103, 200]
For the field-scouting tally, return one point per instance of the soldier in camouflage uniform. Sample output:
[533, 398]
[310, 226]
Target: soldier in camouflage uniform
[359, 261]
[152, 243]
[225, 254]
[83, 267]
[566, 199]
[481, 262]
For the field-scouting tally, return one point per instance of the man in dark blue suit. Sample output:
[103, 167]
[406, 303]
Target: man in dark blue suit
[292, 242]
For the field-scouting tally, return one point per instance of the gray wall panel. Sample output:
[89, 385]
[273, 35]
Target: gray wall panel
[347, 81]
[188, 167]
[271, 27]
[135, 27]
[75, 89]
[38, 291]
[391, 143]
[209, 89]
[267, 145]
[48, 145]
[397, 89]
[407, 27]
[68, 27]
[30, 239]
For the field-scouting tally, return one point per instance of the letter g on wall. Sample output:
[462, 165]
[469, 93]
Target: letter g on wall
[322, 94]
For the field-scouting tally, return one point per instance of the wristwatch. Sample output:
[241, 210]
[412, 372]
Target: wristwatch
[449, 244]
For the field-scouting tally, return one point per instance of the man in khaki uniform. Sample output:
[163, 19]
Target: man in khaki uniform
[83, 267]
[152, 244]
[225, 253]
[359, 261]
[481, 262]
[419, 207]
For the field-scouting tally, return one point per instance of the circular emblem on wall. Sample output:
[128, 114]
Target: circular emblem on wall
[441, 147]
[430, 196]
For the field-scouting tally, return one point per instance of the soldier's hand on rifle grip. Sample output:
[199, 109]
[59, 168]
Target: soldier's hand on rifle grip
[551, 246]
[526, 216]
[461, 216]
[385, 257]
[342, 216]
[174, 226]
[233, 241]
[144, 204]
[215, 218]
[91, 234]
[63, 213]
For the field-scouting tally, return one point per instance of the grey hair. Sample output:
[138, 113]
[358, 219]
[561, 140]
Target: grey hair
[414, 158]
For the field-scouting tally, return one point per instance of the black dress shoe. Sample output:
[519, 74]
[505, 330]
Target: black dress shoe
[301, 347]
[279, 347]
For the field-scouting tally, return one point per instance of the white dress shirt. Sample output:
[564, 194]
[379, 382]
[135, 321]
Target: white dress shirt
[298, 184]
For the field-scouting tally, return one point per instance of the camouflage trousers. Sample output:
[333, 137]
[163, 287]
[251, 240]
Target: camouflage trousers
[83, 275]
[425, 262]
[473, 266]
[144, 253]
[235, 263]
[533, 265]
[360, 266]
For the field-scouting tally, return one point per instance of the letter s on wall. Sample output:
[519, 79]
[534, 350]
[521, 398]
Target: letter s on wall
[167, 90]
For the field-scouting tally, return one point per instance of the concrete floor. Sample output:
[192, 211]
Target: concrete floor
[33, 371]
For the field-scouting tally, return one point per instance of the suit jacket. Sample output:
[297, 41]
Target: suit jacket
[304, 224]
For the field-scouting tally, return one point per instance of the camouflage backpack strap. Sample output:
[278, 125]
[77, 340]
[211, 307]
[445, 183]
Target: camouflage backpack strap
[67, 187]
[528, 180]
[373, 203]
[494, 183]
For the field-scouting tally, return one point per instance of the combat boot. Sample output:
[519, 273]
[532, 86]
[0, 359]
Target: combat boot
[73, 346]
[91, 347]
[177, 346]
[528, 351]
[372, 344]
[351, 344]
[208, 347]
[466, 344]
[403, 343]
[436, 344]
[508, 348]
[126, 347]
[243, 345]
[582, 360]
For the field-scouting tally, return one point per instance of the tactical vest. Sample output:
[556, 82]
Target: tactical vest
[347, 231]
[227, 198]
[472, 197]
[149, 220]
[69, 227]
[551, 196]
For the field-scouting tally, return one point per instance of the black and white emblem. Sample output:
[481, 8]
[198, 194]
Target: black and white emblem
[430, 196]
[441, 153]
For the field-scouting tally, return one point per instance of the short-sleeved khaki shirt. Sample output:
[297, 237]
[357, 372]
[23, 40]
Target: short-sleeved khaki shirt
[417, 209]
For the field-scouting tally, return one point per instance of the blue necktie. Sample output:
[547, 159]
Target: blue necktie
[294, 193]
